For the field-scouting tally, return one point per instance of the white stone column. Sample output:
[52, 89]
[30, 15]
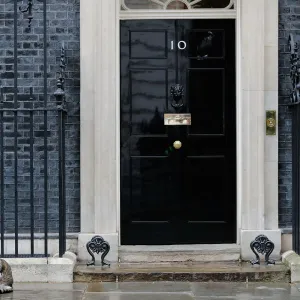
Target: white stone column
[105, 119]
[88, 56]
[252, 39]
[98, 126]
[271, 103]
[259, 197]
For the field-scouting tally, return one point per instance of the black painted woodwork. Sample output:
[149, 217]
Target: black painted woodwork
[185, 196]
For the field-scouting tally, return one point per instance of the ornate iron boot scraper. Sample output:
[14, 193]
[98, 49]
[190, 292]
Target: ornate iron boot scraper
[262, 245]
[97, 244]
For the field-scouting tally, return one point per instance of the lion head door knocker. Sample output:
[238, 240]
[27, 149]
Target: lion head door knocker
[177, 93]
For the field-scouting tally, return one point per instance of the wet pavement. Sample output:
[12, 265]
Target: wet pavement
[154, 291]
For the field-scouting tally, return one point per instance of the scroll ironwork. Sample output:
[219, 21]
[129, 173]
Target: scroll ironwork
[189, 4]
[98, 245]
[262, 245]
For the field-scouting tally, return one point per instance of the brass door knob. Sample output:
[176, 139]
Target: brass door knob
[177, 145]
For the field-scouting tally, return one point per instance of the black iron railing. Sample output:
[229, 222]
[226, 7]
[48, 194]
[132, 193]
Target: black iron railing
[32, 147]
[61, 107]
[294, 105]
[30, 113]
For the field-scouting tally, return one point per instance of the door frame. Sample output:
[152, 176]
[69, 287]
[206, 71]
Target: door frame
[189, 14]
[257, 90]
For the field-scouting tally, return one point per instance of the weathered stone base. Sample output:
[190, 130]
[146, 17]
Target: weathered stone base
[112, 239]
[292, 260]
[52, 269]
[179, 253]
[183, 272]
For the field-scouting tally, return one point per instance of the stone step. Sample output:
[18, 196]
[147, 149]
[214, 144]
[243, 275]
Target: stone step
[179, 253]
[193, 272]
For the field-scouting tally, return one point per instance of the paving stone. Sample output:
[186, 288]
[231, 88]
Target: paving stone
[218, 298]
[242, 289]
[155, 291]
[144, 287]
[151, 296]
[297, 286]
[50, 286]
[248, 297]
[42, 295]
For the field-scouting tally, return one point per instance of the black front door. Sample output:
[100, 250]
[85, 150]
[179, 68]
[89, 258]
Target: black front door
[172, 194]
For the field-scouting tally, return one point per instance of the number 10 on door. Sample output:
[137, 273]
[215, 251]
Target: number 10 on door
[181, 45]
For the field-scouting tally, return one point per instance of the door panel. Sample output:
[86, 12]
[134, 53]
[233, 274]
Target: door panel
[149, 187]
[206, 102]
[188, 195]
[148, 100]
[146, 70]
[206, 202]
[143, 42]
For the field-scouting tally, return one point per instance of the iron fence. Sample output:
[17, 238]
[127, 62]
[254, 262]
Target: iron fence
[296, 178]
[30, 112]
[294, 105]
[32, 147]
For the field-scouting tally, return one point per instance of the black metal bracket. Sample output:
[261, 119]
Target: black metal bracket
[262, 245]
[177, 94]
[97, 244]
[29, 10]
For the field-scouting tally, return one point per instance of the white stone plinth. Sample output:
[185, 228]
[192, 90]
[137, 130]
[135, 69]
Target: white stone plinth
[83, 254]
[247, 236]
[52, 269]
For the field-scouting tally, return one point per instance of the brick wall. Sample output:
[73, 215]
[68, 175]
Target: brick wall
[62, 26]
[289, 22]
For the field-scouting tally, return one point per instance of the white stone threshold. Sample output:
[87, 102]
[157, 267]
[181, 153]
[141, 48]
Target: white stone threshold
[52, 269]
[180, 253]
[197, 247]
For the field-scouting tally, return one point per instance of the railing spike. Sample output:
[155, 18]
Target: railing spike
[294, 71]
[29, 10]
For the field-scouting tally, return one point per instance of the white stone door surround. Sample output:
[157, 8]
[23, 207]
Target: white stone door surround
[257, 90]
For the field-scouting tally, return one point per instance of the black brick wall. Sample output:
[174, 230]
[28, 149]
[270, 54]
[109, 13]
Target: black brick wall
[62, 26]
[289, 22]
